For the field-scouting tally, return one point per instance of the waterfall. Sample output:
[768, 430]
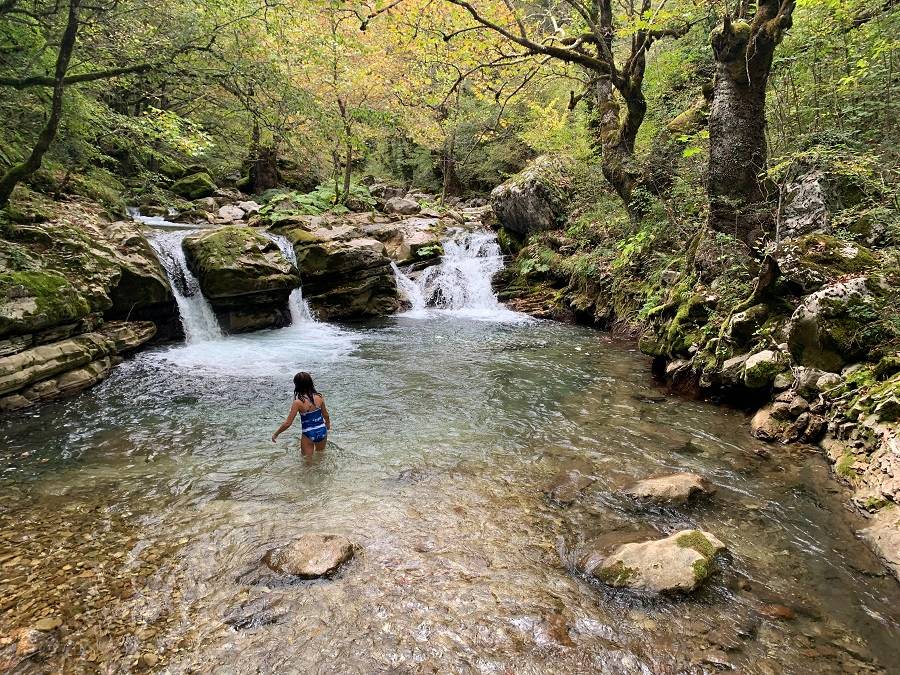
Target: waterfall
[409, 289]
[158, 222]
[461, 283]
[197, 317]
[300, 311]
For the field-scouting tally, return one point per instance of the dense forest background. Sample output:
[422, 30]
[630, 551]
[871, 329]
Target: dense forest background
[449, 97]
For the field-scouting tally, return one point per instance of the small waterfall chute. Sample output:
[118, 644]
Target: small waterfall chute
[461, 283]
[299, 308]
[158, 222]
[197, 316]
[410, 290]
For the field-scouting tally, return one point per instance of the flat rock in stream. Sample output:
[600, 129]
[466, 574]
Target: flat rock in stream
[677, 488]
[677, 563]
[311, 556]
[565, 487]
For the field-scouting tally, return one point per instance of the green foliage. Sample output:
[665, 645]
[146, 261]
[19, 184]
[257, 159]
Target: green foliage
[279, 205]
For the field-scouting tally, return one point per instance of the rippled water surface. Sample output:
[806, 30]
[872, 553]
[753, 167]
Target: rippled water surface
[138, 512]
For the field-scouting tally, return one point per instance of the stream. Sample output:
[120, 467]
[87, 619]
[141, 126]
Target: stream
[138, 512]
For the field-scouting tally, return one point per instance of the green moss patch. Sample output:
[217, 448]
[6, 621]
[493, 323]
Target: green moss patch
[616, 575]
[698, 542]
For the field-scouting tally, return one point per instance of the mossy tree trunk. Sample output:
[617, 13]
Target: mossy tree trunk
[743, 51]
[615, 136]
[612, 72]
[23, 170]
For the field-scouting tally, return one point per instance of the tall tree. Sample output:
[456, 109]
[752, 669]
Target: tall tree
[588, 33]
[32, 163]
[743, 51]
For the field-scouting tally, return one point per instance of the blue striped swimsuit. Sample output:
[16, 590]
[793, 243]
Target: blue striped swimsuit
[313, 425]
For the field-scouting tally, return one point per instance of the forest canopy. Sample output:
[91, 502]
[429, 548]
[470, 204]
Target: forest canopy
[452, 96]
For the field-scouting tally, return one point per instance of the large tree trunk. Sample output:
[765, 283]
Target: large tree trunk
[450, 183]
[23, 170]
[264, 169]
[348, 172]
[738, 204]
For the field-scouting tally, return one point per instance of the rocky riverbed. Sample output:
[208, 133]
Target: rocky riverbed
[135, 520]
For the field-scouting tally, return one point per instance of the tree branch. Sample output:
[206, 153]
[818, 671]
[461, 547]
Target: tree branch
[46, 81]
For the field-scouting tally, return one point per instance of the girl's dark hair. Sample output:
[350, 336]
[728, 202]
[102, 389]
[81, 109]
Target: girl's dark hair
[304, 387]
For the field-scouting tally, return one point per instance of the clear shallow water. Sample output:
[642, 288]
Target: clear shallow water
[138, 513]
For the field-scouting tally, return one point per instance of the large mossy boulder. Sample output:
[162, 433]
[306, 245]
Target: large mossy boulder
[348, 278]
[58, 273]
[143, 291]
[839, 324]
[194, 186]
[807, 263]
[244, 275]
[536, 198]
[62, 282]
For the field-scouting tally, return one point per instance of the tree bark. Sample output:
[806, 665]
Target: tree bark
[617, 140]
[348, 167]
[450, 183]
[264, 170]
[21, 171]
[738, 204]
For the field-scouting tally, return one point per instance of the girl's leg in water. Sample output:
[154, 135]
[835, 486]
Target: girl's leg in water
[321, 444]
[307, 447]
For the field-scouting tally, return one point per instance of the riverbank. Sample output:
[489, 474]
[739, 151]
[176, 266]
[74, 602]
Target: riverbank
[804, 336]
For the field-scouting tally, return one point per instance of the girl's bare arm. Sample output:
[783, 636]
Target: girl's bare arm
[295, 406]
[325, 415]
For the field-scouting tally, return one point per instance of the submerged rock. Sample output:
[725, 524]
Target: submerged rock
[310, 556]
[678, 488]
[566, 486]
[678, 563]
[244, 275]
[534, 199]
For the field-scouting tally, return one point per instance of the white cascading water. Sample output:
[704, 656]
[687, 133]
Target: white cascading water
[197, 317]
[300, 311]
[410, 290]
[461, 283]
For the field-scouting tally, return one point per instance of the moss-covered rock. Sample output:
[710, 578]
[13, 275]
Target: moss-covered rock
[807, 263]
[675, 564]
[244, 275]
[838, 324]
[77, 265]
[36, 299]
[345, 262]
[761, 368]
[194, 186]
[535, 199]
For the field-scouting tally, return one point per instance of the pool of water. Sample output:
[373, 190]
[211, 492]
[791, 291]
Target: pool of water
[137, 514]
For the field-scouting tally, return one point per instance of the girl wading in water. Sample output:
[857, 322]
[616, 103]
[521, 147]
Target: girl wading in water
[314, 418]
